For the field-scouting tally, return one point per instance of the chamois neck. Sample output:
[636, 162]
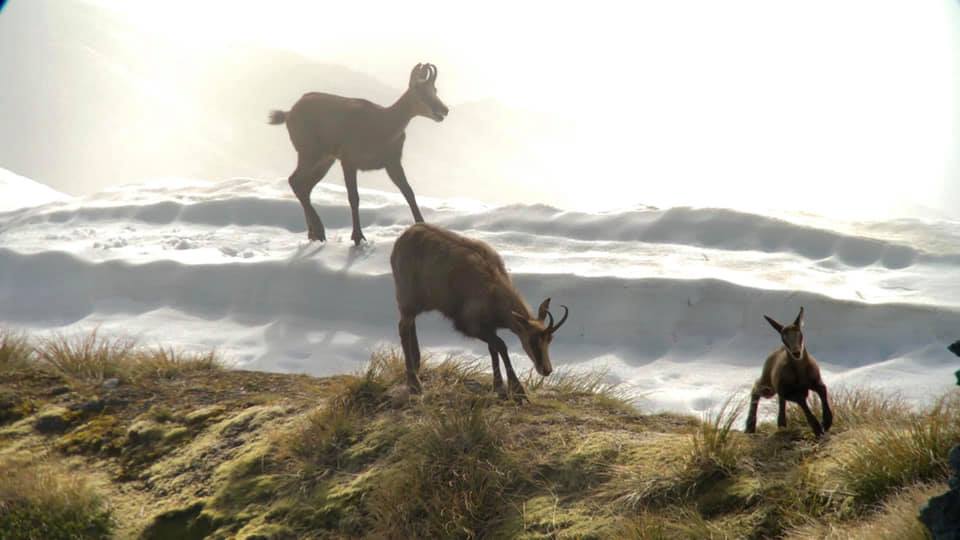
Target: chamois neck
[401, 112]
[513, 303]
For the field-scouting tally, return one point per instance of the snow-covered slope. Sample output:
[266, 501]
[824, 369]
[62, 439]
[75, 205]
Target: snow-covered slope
[19, 192]
[670, 301]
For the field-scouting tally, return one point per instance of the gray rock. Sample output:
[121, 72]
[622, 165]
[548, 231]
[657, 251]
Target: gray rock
[111, 383]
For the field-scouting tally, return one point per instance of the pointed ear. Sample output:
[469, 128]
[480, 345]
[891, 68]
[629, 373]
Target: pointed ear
[544, 307]
[799, 320]
[776, 326]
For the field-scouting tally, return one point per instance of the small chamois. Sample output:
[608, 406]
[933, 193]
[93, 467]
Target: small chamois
[465, 280]
[790, 372]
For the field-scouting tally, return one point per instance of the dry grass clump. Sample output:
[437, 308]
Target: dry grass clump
[897, 455]
[452, 480]
[15, 350]
[94, 358]
[41, 501]
[864, 406]
[716, 447]
[896, 518]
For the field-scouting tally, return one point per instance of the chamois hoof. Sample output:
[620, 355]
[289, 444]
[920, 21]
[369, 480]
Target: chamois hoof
[358, 237]
[501, 392]
[414, 386]
[315, 236]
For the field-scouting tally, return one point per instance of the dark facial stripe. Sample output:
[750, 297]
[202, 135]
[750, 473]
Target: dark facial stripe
[535, 348]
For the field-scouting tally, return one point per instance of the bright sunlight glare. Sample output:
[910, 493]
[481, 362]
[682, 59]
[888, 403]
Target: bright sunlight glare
[834, 107]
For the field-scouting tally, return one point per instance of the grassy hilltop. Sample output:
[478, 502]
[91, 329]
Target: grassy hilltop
[103, 439]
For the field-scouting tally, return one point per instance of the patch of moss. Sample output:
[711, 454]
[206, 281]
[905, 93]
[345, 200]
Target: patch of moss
[102, 433]
[54, 419]
[203, 415]
[13, 407]
[187, 523]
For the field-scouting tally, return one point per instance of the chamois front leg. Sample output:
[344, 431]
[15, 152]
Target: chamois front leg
[353, 196]
[781, 411]
[497, 377]
[512, 381]
[811, 419]
[821, 390]
[395, 171]
[411, 353]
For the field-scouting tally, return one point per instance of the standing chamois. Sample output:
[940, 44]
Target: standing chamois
[790, 372]
[362, 135]
[466, 280]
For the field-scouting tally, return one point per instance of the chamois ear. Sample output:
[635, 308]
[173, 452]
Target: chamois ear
[776, 326]
[799, 320]
[544, 308]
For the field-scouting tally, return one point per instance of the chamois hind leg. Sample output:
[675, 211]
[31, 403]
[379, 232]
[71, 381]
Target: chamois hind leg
[497, 378]
[411, 352]
[821, 390]
[512, 381]
[310, 170]
[811, 419]
[752, 413]
[781, 411]
[399, 178]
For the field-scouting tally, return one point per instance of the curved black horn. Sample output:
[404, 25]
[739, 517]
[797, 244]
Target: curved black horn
[550, 320]
[433, 72]
[566, 313]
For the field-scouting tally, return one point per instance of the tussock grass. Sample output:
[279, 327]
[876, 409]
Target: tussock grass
[896, 518]
[577, 383]
[681, 522]
[863, 407]
[94, 358]
[41, 501]
[15, 350]
[318, 443]
[453, 480]
[716, 447]
[897, 455]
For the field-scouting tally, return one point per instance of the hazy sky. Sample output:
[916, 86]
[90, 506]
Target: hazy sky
[828, 105]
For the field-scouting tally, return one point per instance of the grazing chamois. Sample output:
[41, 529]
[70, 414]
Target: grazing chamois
[466, 280]
[790, 372]
[364, 136]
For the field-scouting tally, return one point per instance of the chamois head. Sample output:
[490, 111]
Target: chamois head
[423, 88]
[536, 334]
[791, 335]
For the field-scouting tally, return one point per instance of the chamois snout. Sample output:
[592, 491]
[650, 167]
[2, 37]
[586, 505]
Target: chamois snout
[537, 334]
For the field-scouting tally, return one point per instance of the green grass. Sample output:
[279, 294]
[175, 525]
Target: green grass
[41, 501]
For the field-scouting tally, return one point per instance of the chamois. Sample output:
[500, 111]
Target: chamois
[790, 372]
[466, 280]
[362, 135]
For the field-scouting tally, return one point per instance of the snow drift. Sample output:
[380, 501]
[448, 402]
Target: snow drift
[669, 301]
